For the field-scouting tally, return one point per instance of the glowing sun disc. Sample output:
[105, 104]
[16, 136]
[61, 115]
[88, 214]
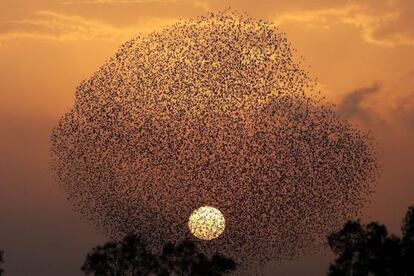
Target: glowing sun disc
[206, 223]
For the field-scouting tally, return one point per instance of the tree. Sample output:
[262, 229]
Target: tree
[185, 259]
[131, 257]
[1, 261]
[408, 240]
[127, 257]
[370, 250]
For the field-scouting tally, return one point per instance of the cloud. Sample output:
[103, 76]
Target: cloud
[383, 22]
[200, 4]
[387, 26]
[390, 103]
[405, 110]
[92, 2]
[56, 26]
[352, 105]
[404, 23]
[322, 18]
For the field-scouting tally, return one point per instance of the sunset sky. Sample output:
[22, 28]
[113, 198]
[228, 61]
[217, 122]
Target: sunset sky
[361, 52]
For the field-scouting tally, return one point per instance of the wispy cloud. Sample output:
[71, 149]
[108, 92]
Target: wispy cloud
[360, 16]
[56, 26]
[374, 106]
[322, 18]
[352, 104]
[196, 3]
[92, 2]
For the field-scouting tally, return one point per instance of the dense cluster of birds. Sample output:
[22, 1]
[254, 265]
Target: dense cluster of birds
[216, 111]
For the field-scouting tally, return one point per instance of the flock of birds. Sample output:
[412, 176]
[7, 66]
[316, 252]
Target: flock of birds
[213, 111]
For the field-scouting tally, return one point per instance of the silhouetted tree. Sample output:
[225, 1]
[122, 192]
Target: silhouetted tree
[370, 250]
[185, 259]
[1, 261]
[131, 257]
[408, 240]
[127, 257]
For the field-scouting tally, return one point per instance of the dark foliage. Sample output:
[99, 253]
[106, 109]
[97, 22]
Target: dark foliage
[408, 240]
[370, 250]
[1, 261]
[131, 257]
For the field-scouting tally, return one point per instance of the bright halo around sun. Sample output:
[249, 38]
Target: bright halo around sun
[206, 223]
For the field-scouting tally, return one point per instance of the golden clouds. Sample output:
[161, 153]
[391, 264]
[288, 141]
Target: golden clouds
[196, 3]
[369, 21]
[91, 2]
[384, 23]
[57, 26]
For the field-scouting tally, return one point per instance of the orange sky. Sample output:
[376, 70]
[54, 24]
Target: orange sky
[362, 53]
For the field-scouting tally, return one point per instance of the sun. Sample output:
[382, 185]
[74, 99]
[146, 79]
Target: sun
[206, 223]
